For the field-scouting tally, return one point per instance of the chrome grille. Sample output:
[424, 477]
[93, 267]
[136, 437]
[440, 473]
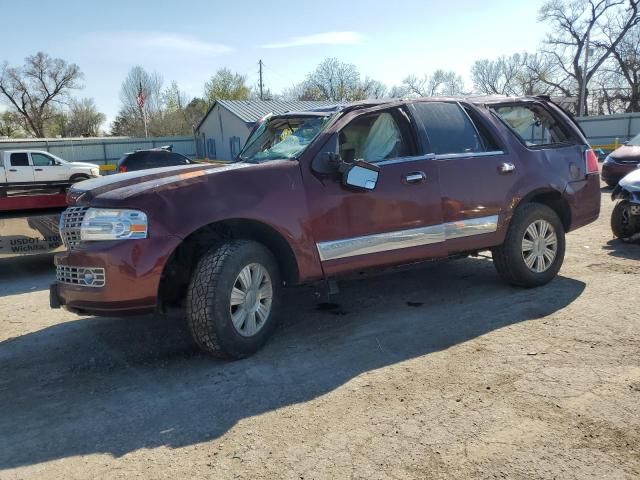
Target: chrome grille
[70, 223]
[83, 276]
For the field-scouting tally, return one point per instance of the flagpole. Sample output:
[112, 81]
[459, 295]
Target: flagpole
[144, 119]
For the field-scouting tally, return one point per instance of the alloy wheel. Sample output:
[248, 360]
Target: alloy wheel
[251, 299]
[539, 246]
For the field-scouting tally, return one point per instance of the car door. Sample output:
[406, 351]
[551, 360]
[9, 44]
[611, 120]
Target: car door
[477, 174]
[46, 169]
[397, 222]
[20, 170]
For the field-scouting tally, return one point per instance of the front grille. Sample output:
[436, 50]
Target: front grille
[84, 276]
[70, 223]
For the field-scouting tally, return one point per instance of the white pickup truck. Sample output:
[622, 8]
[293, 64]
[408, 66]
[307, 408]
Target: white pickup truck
[27, 168]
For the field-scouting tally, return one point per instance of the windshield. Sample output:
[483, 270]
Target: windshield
[635, 141]
[282, 138]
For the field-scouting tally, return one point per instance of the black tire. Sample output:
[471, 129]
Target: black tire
[611, 183]
[79, 178]
[509, 259]
[623, 224]
[209, 299]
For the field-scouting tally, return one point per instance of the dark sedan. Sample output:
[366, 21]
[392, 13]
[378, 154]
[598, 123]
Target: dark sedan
[152, 158]
[620, 162]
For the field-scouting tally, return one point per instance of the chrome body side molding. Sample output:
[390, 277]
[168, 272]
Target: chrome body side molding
[415, 237]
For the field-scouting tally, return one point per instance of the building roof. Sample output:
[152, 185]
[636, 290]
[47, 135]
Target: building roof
[250, 111]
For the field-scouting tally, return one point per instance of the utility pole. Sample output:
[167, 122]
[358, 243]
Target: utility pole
[260, 64]
[583, 87]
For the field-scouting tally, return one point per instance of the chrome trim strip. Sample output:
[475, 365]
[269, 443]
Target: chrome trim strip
[380, 242]
[447, 156]
[415, 237]
[416, 158]
[470, 227]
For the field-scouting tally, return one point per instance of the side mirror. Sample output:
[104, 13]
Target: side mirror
[361, 175]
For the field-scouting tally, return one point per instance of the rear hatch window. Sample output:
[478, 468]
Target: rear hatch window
[534, 125]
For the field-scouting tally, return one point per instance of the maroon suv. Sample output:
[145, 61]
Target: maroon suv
[316, 195]
[622, 161]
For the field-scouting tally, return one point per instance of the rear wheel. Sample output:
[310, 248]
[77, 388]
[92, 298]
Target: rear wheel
[533, 250]
[232, 299]
[623, 223]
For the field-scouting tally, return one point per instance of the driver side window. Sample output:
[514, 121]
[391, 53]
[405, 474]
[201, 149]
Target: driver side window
[373, 138]
[42, 160]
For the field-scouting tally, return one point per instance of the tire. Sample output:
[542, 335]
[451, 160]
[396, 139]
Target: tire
[510, 258]
[623, 224]
[611, 183]
[79, 178]
[210, 308]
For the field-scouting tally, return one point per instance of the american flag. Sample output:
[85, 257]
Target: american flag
[140, 97]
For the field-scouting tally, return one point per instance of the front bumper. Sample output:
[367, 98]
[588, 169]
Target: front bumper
[612, 172]
[132, 273]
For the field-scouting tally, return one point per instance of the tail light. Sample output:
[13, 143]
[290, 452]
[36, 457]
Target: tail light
[591, 160]
[122, 169]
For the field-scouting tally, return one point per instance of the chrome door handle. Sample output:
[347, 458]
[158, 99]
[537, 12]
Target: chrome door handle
[506, 167]
[415, 177]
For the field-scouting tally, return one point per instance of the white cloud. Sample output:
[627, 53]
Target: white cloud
[182, 43]
[158, 42]
[327, 38]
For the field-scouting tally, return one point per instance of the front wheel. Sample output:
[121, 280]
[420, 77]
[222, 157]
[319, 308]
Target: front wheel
[623, 223]
[533, 250]
[232, 299]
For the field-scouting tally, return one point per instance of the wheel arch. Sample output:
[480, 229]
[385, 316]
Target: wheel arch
[554, 199]
[182, 261]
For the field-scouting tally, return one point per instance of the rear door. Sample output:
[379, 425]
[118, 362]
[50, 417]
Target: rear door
[397, 222]
[45, 168]
[19, 169]
[477, 175]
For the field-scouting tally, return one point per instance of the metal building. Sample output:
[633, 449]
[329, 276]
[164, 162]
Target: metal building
[224, 129]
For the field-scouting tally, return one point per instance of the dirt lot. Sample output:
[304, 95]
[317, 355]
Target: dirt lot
[442, 372]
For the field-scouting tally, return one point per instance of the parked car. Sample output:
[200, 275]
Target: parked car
[27, 168]
[152, 158]
[625, 218]
[314, 196]
[621, 161]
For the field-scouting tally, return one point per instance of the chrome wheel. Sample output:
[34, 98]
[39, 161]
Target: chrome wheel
[251, 299]
[539, 246]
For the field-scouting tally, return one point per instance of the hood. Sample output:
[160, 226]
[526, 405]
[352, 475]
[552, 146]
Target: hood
[626, 153]
[120, 186]
[84, 164]
[631, 181]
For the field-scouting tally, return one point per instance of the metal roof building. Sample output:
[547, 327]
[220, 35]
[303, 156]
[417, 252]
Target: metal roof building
[225, 127]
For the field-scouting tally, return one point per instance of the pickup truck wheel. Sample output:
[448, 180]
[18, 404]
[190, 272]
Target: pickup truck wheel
[232, 299]
[533, 250]
[623, 224]
[79, 178]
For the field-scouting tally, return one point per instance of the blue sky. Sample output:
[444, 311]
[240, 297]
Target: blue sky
[188, 41]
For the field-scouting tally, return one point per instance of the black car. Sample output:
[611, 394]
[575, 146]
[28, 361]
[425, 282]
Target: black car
[152, 158]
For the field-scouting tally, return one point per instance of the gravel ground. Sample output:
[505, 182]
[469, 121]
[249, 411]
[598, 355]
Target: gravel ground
[440, 372]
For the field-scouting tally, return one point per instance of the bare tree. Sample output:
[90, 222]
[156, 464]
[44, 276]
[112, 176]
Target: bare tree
[576, 23]
[626, 67]
[439, 83]
[36, 89]
[519, 74]
[130, 120]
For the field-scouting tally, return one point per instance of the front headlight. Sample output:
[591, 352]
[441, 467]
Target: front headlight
[95, 172]
[113, 224]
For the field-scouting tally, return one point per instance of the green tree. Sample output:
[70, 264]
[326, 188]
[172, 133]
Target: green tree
[226, 85]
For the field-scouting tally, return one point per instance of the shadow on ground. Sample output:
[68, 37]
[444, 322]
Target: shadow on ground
[26, 274]
[622, 249]
[117, 385]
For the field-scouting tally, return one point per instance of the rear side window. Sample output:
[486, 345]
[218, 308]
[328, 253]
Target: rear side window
[449, 129]
[19, 160]
[177, 159]
[534, 125]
